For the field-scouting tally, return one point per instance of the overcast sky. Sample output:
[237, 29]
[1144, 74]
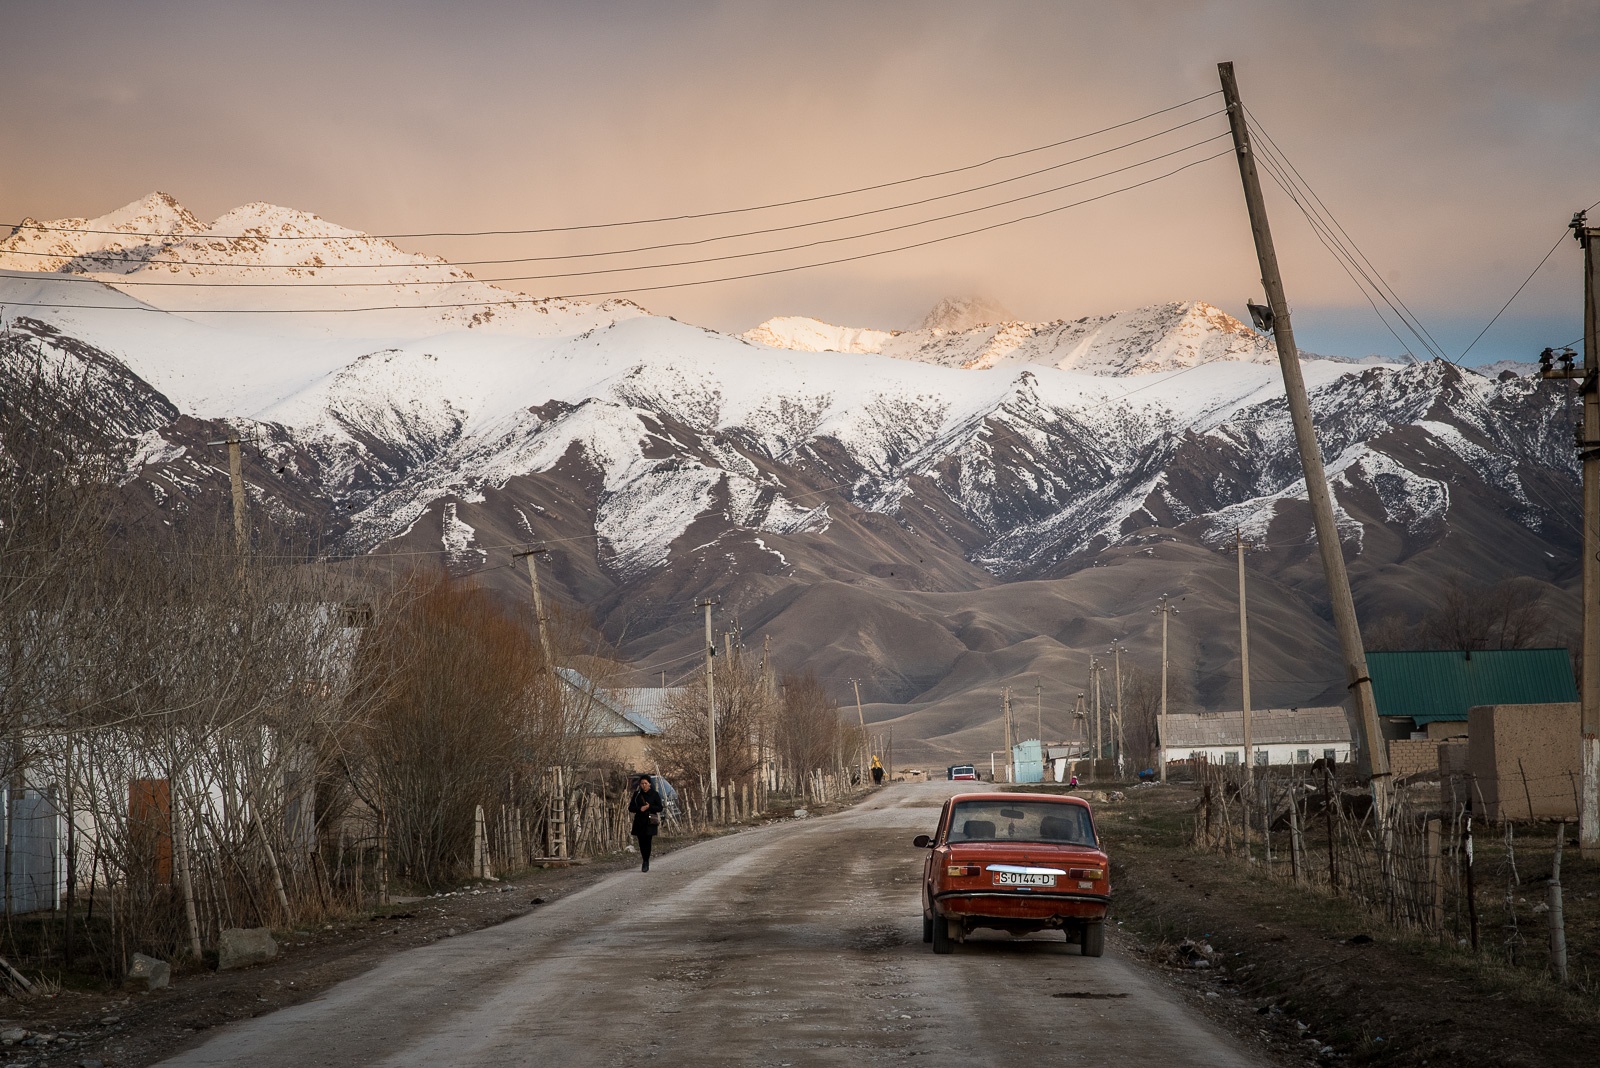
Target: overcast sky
[1452, 139]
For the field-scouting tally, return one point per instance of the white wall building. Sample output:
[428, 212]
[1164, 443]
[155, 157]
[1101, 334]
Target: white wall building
[1278, 736]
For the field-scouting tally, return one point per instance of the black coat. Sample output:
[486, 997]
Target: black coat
[644, 805]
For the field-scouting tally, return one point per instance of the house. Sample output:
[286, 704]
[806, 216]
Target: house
[1428, 694]
[621, 720]
[1278, 735]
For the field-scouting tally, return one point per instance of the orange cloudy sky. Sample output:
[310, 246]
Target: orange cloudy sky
[1452, 139]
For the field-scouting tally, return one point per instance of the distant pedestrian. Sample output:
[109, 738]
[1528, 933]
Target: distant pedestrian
[877, 772]
[646, 808]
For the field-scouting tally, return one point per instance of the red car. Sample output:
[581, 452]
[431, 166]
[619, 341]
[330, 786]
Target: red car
[1016, 862]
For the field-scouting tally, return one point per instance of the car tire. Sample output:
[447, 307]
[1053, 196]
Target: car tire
[927, 928]
[1093, 939]
[940, 935]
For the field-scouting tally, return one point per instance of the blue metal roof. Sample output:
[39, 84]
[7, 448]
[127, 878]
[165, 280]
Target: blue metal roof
[1442, 685]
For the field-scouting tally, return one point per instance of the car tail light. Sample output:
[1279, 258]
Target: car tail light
[962, 869]
[1087, 873]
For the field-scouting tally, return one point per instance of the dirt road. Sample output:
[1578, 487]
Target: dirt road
[793, 944]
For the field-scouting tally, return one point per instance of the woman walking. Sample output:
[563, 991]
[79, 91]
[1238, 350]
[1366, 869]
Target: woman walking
[646, 808]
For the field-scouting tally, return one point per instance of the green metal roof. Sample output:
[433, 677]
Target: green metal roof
[1431, 686]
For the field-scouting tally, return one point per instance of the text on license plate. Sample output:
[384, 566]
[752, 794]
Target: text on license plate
[1023, 878]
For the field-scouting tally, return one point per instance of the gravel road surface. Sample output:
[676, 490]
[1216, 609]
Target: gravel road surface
[799, 943]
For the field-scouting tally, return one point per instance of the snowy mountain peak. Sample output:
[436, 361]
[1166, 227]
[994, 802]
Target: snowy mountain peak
[1162, 337]
[119, 235]
[957, 314]
[802, 334]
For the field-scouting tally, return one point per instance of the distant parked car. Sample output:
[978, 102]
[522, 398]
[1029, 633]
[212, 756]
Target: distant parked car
[1018, 863]
[961, 771]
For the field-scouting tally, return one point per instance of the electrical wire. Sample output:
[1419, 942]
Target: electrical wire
[627, 251]
[1518, 292]
[202, 284]
[529, 300]
[1375, 277]
[690, 216]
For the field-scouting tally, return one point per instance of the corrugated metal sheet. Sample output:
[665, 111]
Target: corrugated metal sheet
[1268, 726]
[1441, 685]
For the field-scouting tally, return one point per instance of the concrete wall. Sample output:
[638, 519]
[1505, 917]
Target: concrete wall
[1413, 756]
[1507, 742]
[1440, 729]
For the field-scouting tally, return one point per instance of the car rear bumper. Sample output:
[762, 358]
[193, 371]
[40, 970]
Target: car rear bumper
[1023, 904]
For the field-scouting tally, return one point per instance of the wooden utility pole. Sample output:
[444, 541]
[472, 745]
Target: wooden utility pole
[862, 717]
[1244, 662]
[1589, 787]
[1166, 609]
[532, 556]
[241, 537]
[711, 698]
[1119, 742]
[1373, 753]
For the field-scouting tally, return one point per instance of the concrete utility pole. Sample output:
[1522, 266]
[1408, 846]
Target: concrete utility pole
[532, 556]
[1038, 709]
[862, 717]
[1005, 712]
[241, 535]
[1244, 662]
[1166, 609]
[1095, 671]
[711, 698]
[1119, 743]
[1373, 753]
[1589, 446]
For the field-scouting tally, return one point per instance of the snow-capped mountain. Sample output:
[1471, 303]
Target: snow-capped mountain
[937, 511]
[1166, 337]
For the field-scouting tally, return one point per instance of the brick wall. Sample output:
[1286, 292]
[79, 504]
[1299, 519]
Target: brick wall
[1413, 756]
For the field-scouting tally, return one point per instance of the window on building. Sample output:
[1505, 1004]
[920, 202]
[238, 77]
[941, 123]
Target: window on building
[1302, 756]
[1330, 755]
[1230, 757]
[1263, 758]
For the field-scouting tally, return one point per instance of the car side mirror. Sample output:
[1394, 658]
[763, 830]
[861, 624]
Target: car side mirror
[922, 841]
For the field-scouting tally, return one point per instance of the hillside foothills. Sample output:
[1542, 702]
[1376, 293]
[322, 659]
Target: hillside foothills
[938, 512]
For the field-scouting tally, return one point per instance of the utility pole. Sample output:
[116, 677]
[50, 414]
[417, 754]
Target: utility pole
[1589, 452]
[862, 717]
[1038, 708]
[1095, 671]
[1166, 609]
[1244, 664]
[1005, 707]
[241, 535]
[532, 556]
[1374, 755]
[711, 698]
[1119, 743]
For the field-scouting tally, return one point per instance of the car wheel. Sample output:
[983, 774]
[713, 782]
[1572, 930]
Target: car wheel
[1094, 939]
[940, 936]
[927, 928]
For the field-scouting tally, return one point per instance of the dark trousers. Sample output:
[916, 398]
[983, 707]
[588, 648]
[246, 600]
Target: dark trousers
[644, 850]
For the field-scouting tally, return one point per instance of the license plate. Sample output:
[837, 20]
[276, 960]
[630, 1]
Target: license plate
[1023, 878]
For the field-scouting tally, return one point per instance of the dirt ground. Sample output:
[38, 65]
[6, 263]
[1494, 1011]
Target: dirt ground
[129, 1028]
[1317, 974]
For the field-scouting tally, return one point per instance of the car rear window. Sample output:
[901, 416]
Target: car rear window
[1020, 821]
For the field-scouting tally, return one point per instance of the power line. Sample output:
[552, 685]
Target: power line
[1338, 242]
[199, 284]
[1518, 292]
[625, 251]
[682, 217]
[529, 300]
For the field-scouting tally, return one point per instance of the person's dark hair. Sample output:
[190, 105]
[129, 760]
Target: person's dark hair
[645, 782]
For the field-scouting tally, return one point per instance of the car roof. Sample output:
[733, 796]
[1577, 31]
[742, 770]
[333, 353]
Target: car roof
[998, 795]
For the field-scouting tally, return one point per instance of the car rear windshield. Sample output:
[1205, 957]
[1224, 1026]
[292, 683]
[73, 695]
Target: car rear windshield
[1020, 821]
